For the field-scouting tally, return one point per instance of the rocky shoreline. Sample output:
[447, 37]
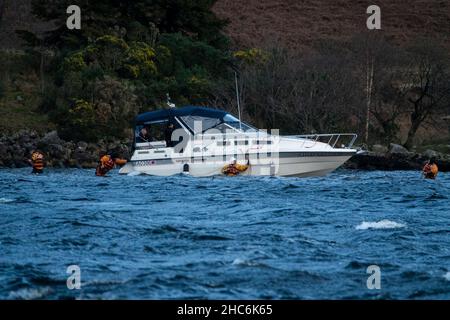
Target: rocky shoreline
[396, 158]
[15, 151]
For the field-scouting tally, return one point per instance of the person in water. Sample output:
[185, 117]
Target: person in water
[430, 170]
[106, 163]
[234, 168]
[37, 162]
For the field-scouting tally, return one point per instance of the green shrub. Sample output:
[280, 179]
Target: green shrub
[106, 110]
[74, 62]
[252, 56]
[78, 122]
[140, 60]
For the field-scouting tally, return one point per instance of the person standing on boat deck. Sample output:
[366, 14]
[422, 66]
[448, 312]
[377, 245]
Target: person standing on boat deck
[37, 162]
[168, 134]
[144, 135]
[430, 170]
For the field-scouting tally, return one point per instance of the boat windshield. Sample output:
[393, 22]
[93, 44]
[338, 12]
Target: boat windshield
[200, 124]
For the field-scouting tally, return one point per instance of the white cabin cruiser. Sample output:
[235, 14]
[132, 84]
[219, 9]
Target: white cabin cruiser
[202, 141]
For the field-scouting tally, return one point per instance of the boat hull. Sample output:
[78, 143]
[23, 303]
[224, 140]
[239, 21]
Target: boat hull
[287, 164]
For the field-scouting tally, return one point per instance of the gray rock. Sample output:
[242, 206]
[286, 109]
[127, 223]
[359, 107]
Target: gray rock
[398, 149]
[51, 138]
[70, 145]
[82, 145]
[29, 147]
[378, 148]
[81, 156]
[18, 159]
[67, 153]
[3, 149]
[19, 152]
[58, 164]
[431, 154]
[23, 136]
[5, 155]
[56, 150]
[33, 134]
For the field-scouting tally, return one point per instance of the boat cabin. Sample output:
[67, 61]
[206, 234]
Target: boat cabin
[155, 129]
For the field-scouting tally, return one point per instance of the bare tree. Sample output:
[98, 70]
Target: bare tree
[372, 56]
[388, 107]
[366, 86]
[429, 92]
[307, 93]
[389, 89]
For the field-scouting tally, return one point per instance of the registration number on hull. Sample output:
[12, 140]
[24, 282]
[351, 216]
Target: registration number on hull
[144, 163]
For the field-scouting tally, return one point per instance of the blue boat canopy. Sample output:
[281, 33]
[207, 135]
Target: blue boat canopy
[164, 114]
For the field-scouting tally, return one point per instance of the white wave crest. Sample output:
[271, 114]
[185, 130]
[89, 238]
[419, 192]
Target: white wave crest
[6, 200]
[239, 261]
[243, 262]
[383, 224]
[447, 276]
[30, 294]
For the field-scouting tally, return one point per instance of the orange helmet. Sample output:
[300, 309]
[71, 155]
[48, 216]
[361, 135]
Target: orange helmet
[37, 156]
[105, 159]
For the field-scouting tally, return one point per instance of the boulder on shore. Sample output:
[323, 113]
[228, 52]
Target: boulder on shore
[378, 148]
[398, 149]
[51, 138]
[431, 154]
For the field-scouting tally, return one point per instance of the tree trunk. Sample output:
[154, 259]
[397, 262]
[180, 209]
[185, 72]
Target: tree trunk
[415, 124]
[41, 70]
[369, 85]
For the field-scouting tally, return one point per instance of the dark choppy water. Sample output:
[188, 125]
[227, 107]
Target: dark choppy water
[224, 238]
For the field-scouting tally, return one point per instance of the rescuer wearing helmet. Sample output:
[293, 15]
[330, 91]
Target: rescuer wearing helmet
[430, 170]
[37, 162]
[106, 163]
[235, 168]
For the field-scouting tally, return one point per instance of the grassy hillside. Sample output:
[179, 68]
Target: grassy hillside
[298, 23]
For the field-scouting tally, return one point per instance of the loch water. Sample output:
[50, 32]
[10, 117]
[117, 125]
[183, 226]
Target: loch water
[179, 237]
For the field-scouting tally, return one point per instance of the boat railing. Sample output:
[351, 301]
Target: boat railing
[335, 140]
[332, 139]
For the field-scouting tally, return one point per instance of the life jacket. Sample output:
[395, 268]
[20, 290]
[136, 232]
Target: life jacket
[120, 162]
[105, 164]
[37, 161]
[430, 171]
[234, 169]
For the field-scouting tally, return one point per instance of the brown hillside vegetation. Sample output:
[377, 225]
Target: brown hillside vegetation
[298, 23]
[16, 15]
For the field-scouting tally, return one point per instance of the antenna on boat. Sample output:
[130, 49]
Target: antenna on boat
[170, 104]
[237, 99]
